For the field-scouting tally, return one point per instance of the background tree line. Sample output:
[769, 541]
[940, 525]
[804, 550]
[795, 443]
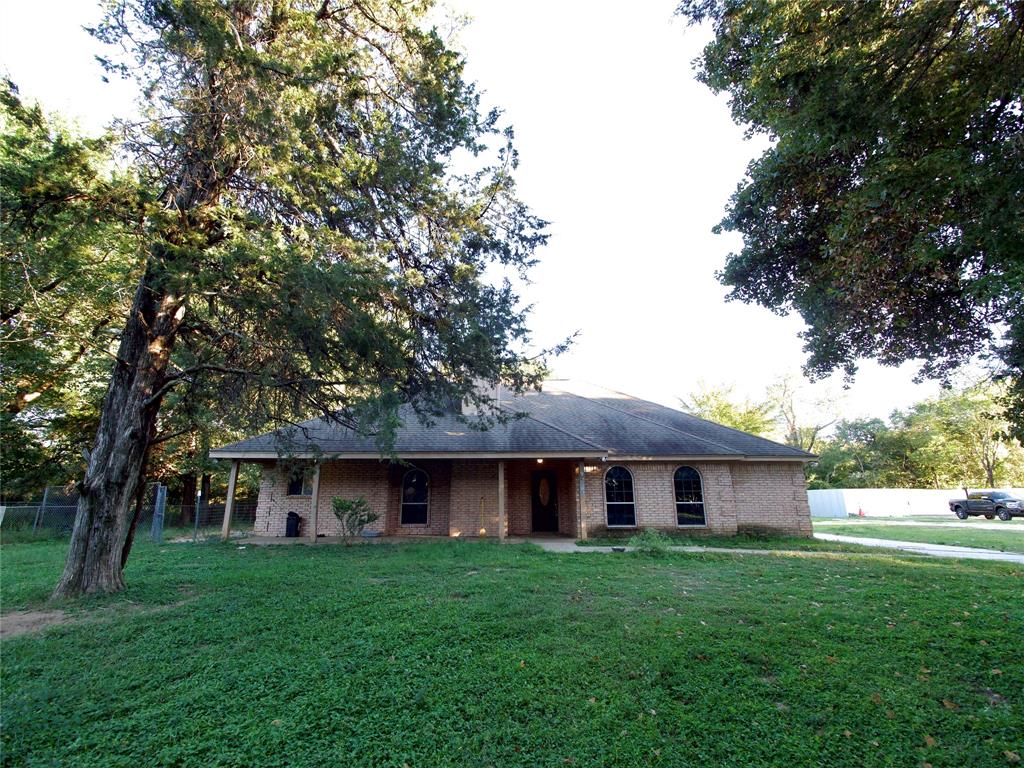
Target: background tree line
[958, 438]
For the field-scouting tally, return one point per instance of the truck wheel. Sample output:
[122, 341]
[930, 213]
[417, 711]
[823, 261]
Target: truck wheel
[1004, 515]
[960, 512]
[989, 516]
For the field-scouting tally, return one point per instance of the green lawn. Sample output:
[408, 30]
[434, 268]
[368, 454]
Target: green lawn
[1007, 541]
[469, 654]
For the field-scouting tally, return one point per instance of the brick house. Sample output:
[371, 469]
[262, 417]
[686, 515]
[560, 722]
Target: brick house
[579, 461]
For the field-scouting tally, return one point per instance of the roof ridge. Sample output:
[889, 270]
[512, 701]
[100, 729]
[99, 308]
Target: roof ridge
[699, 418]
[652, 421]
[558, 429]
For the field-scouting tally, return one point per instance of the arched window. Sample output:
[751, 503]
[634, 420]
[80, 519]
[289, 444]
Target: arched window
[618, 498]
[689, 497]
[415, 498]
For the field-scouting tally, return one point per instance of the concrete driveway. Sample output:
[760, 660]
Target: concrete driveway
[934, 550]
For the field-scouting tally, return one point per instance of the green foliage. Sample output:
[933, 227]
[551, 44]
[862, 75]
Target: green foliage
[717, 404]
[314, 190]
[353, 514]
[958, 438]
[65, 284]
[651, 542]
[784, 413]
[887, 211]
[333, 236]
[452, 651]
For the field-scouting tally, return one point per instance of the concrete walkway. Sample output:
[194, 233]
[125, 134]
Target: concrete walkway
[934, 550]
[564, 545]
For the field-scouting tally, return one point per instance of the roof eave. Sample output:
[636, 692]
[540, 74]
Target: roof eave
[262, 455]
[230, 453]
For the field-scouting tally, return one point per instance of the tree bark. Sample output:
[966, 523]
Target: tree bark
[115, 464]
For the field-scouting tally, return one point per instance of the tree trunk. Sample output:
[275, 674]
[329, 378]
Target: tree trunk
[115, 464]
[140, 498]
[140, 494]
[188, 498]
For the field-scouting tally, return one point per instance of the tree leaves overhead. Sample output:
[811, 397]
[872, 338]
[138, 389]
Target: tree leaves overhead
[313, 212]
[69, 258]
[888, 210]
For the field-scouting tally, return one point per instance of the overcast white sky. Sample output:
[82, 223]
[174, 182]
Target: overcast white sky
[629, 157]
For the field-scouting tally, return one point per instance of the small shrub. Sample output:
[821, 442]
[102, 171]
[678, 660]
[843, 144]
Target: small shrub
[651, 542]
[354, 515]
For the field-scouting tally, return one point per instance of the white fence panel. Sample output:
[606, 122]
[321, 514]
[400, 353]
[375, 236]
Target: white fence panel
[829, 503]
[884, 502]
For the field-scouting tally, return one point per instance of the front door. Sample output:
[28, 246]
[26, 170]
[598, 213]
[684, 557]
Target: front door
[544, 496]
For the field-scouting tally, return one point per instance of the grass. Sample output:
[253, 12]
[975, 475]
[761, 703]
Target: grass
[469, 654]
[786, 543]
[1005, 541]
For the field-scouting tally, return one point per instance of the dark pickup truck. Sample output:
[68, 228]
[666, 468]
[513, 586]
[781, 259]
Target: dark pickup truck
[988, 503]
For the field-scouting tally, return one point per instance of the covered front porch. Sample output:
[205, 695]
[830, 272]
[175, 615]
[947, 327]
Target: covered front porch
[425, 497]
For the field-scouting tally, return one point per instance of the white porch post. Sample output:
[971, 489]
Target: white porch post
[314, 502]
[229, 504]
[501, 500]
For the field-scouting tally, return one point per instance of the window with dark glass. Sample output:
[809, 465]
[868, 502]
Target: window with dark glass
[415, 498]
[300, 483]
[618, 497]
[689, 497]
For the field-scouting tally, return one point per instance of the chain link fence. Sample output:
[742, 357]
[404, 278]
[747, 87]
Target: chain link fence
[53, 517]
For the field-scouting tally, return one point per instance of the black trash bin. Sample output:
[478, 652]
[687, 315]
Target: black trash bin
[291, 527]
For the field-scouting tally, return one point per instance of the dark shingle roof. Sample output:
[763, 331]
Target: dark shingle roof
[565, 418]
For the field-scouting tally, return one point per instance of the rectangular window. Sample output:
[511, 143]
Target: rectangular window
[414, 514]
[301, 482]
[690, 513]
[415, 498]
[621, 514]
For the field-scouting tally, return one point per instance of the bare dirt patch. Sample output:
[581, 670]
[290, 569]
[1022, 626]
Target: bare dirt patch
[22, 622]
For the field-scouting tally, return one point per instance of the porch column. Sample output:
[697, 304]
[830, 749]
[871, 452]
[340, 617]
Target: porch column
[229, 505]
[501, 500]
[314, 502]
[581, 495]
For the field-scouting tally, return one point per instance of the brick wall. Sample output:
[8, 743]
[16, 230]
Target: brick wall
[771, 497]
[348, 479]
[654, 495]
[474, 489]
[274, 504]
[738, 496]
[439, 481]
[519, 498]
[352, 480]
